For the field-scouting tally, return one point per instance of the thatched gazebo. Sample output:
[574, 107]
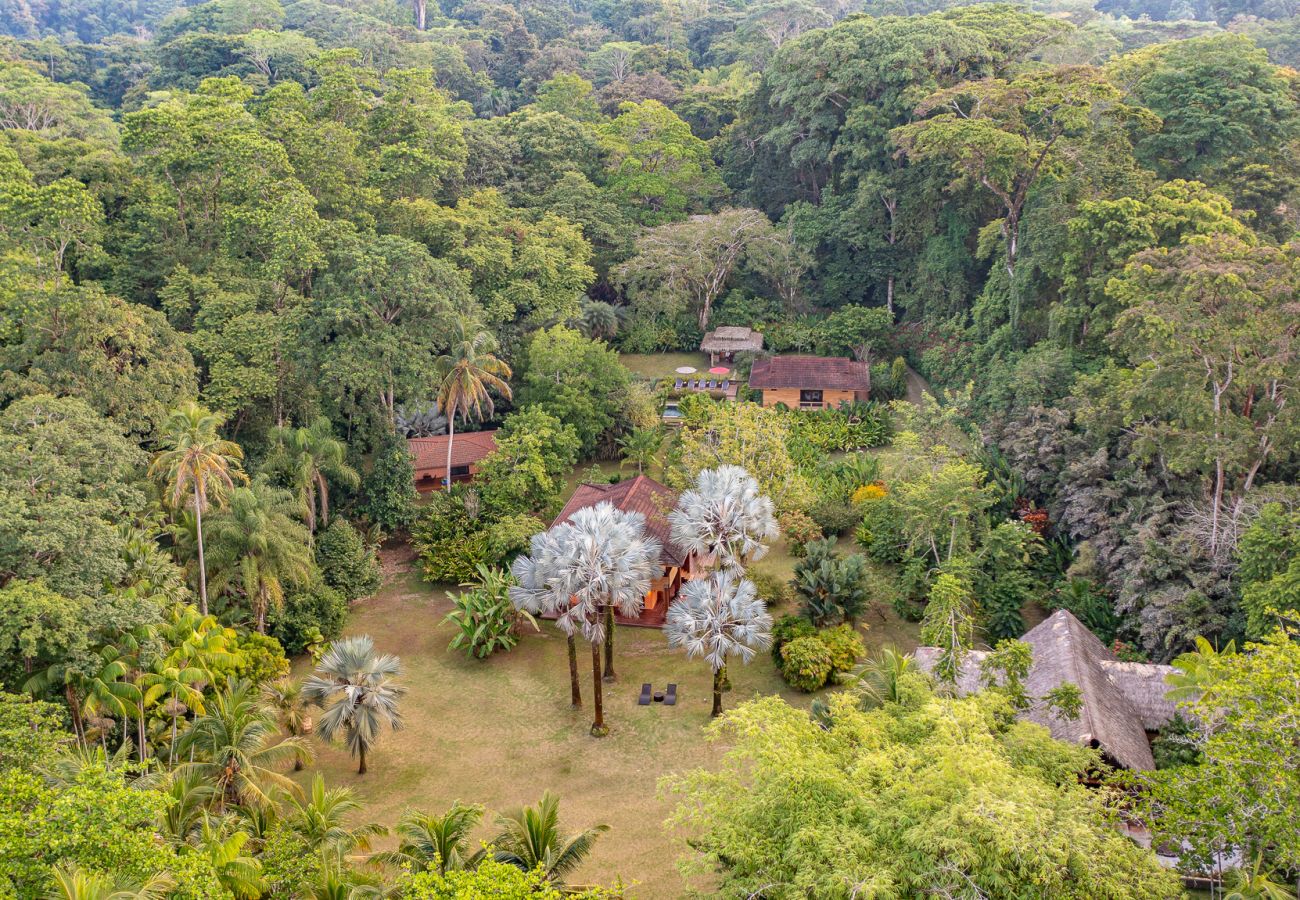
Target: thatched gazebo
[722, 344]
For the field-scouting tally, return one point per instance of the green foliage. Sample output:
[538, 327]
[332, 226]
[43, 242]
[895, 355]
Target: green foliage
[261, 658]
[388, 489]
[309, 616]
[806, 663]
[832, 587]
[785, 630]
[834, 517]
[772, 589]
[1005, 581]
[850, 426]
[347, 564]
[578, 381]
[486, 619]
[949, 624]
[844, 644]
[525, 474]
[1268, 570]
[800, 529]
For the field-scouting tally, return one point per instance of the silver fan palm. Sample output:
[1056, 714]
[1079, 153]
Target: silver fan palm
[724, 517]
[717, 618]
[353, 685]
[584, 571]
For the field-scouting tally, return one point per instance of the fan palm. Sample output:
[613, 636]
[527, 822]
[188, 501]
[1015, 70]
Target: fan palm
[724, 517]
[258, 545]
[320, 820]
[199, 467]
[432, 842]
[640, 445]
[717, 618]
[283, 699]
[466, 374]
[531, 838]
[598, 562]
[75, 883]
[881, 677]
[535, 595]
[237, 748]
[353, 685]
[311, 456]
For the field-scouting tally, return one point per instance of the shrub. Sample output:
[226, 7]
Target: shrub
[833, 587]
[806, 663]
[346, 563]
[799, 529]
[834, 517]
[309, 615]
[785, 630]
[510, 537]
[260, 658]
[456, 559]
[881, 531]
[485, 618]
[388, 490]
[772, 589]
[845, 647]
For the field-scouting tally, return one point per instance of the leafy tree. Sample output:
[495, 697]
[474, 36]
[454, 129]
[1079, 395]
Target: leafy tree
[388, 489]
[346, 561]
[949, 624]
[534, 452]
[533, 840]
[891, 833]
[38, 627]
[660, 170]
[310, 456]
[718, 618]
[578, 381]
[354, 687]
[1004, 581]
[199, 468]
[1268, 568]
[466, 375]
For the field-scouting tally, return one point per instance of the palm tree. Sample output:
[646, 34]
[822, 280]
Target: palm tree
[177, 684]
[108, 695]
[465, 375]
[75, 883]
[601, 561]
[716, 618]
[282, 698]
[189, 794]
[724, 517]
[1255, 883]
[311, 456]
[236, 871]
[531, 838]
[237, 747]
[537, 592]
[258, 545]
[353, 685]
[198, 466]
[882, 676]
[598, 319]
[320, 820]
[432, 842]
[640, 445]
[1197, 671]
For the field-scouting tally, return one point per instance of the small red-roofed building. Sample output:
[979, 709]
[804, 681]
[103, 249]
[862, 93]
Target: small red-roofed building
[429, 457]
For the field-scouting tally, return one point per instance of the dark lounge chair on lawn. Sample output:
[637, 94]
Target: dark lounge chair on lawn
[644, 699]
[670, 698]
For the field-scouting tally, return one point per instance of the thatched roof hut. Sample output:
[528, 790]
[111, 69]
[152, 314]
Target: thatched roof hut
[725, 342]
[1122, 702]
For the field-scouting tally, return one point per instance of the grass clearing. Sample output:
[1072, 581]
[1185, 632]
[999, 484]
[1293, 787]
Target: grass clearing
[663, 365]
[499, 731]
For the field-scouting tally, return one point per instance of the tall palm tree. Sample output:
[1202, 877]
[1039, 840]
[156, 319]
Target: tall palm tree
[601, 561]
[177, 684]
[537, 592]
[237, 748]
[432, 842]
[724, 517]
[353, 685]
[282, 698]
[466, 374]
[108, 695]
[718, 617]
[640, 445]
[259, 545]
[531, 838]
[311, 456]
[321, 820]
[75, 883]
[199, 467]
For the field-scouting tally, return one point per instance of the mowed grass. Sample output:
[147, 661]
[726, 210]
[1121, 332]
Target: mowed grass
[663, 365]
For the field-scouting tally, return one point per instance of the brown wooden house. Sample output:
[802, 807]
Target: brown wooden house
[644, 495]
[429, 457]
[810, 382]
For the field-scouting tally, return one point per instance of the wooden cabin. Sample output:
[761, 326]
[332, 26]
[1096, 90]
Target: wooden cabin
[810, 382]
[722, 344]
[429, 457]
[653, 500]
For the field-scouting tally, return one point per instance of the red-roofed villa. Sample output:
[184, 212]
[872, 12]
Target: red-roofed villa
[810, 382]
[429, 457]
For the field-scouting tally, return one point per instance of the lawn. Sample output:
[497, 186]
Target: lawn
[499, 731]
[662, 365]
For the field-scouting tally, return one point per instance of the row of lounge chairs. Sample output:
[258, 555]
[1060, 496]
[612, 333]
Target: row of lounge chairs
[702, 384]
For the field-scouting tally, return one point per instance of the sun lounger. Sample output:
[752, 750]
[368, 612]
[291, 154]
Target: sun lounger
[670, 698]
[644, 699]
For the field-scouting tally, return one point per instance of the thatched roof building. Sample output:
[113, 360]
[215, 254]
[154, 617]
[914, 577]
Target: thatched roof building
[722, 344]
[1123, 703]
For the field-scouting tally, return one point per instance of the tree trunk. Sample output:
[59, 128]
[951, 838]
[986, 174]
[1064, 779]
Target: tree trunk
[451, 436]
[609, 644]
[598, 728]
[74, 708]
[420, 7]
[203, 571]
[323, 491]
[575, 688]
[719, 674]
[143, 750]
[361, 770]
[171, 748]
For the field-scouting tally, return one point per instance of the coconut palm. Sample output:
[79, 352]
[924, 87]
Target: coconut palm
[237, 871]
[199, 467]
[882, 676]
[466, 375]
[321, 820]
[177, 684]
[435, 843]
[258, 545]
[640, 445]
[237, 748]
[716, 618]
[531, 838]
[75, 883]
[311, 456]
[724, 517]
[282, 698]
[188, 794]
[353, 685]
[601, 561]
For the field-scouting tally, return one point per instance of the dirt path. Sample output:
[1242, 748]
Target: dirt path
[917, 386]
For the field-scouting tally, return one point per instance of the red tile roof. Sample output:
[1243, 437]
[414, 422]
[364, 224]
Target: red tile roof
[836, 373]
[640, 494]
[430, 453]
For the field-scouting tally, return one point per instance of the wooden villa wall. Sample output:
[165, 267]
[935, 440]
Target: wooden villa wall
[790, 397]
